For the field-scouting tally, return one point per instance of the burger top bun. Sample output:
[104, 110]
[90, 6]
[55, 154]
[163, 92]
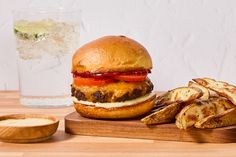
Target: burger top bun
[111, 53]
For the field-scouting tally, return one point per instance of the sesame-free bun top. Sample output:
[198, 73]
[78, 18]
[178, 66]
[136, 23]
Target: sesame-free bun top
[111, 53]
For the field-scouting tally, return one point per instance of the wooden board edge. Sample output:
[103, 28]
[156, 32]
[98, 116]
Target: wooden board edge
[89, 127]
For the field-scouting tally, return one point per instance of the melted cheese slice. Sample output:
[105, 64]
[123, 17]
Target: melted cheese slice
[115, 104]
[25, 122]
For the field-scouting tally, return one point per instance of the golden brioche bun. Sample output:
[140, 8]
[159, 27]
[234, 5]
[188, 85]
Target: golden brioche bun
[132, 111]
[111, 53]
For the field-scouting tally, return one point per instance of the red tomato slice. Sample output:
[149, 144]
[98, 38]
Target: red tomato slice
[131, 78]
[81, 81]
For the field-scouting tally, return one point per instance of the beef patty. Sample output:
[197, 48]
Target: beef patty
[112, 92]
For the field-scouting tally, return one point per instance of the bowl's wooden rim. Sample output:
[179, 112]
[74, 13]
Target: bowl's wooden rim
[24, 116]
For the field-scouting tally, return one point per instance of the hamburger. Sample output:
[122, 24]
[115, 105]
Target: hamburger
[110, 79]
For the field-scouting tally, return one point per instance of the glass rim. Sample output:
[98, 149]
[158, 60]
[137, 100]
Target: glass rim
[45, 10]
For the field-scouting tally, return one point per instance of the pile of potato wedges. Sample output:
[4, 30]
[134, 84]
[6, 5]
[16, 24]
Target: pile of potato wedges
[204, 103]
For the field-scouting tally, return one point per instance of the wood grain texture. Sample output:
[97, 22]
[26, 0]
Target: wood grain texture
[28, 134]
[62, 144]
[75, 124]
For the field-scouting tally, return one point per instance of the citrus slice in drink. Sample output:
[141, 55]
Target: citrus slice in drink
[33, 30]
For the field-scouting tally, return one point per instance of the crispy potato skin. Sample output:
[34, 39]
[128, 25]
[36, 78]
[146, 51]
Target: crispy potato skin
[205, 91]
[200, 109]
[222, 88]
[226, 118]
[205, 104]
[179, 95]
[171, 103]
[164, 115]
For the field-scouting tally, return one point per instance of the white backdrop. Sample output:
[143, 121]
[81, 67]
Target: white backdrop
[186, 38]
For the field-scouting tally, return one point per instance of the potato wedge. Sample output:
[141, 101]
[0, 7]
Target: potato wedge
[205, 91]
[199, 110]
[179, 95]
[222, 104]
[191, 113]
[164, 114]
[222, 88]
[226, 118]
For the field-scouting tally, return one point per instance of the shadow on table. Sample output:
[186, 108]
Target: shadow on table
[59, 136]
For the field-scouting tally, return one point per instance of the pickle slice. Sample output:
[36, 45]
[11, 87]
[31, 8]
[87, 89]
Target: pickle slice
[33, 30]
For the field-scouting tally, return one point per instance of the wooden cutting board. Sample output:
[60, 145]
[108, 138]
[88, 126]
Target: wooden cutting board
[75, 124]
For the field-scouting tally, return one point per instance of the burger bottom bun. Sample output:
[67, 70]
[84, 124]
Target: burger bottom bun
[132, 111]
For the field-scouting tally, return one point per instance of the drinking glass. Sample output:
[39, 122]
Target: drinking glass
[46, 39]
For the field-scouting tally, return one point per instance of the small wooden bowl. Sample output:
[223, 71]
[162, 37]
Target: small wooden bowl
[28, 134]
